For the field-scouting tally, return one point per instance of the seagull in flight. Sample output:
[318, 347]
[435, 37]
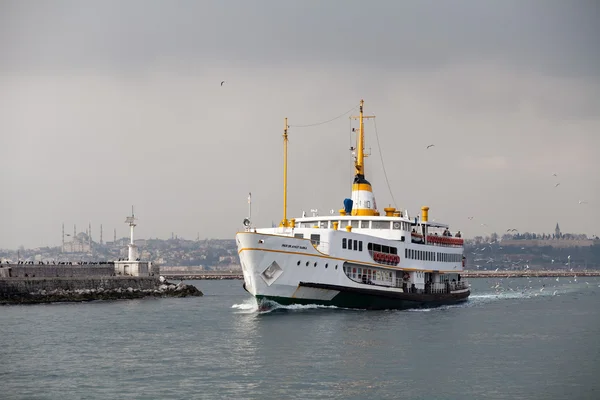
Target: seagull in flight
[557, 184]
[431, 145]
[582, 202]
[222, 82]
[470, 217]
[555, 174]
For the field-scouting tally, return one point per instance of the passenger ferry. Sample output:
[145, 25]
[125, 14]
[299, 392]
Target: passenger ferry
[355, 258]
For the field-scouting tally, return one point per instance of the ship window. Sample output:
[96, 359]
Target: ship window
[380, 225]
[376, 247]
[336, 267]
[368, 203]
[354, 223]
[405, 253]
[298, 263]
[355, 244]
[369, 246]
[315, 239]
[393, 250]
[385, 249]
[326, 265]
[315, 265]
[360, 246]
[343, 243]
[307, 263]
[299, 235]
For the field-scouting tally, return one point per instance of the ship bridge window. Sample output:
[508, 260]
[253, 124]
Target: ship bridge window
[299, 235]
[354, 223]
[380, 225]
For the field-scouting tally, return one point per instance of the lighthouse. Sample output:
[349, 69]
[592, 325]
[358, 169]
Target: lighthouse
[132, 265]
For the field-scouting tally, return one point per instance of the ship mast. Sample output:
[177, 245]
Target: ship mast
[284, 221]
[359, 162]
[363, 201]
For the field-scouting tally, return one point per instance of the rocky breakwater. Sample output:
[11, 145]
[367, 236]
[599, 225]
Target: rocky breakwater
[34, 291]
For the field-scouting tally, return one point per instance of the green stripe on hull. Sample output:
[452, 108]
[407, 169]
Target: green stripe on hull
[360, 301]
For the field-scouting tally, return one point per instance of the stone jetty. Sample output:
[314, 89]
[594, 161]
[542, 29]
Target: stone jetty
[26, 284]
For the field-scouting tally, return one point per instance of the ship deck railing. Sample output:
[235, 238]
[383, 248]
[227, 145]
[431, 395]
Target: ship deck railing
[408, 287]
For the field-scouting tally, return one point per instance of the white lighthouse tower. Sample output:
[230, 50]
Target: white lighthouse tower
[133, 253]
[132, 265]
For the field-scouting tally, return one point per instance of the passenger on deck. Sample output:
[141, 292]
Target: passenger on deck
[458, 234]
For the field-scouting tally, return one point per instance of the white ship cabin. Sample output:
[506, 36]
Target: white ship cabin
[384, 250]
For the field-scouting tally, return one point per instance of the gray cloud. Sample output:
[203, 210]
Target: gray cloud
[111, 103]
[552, 36]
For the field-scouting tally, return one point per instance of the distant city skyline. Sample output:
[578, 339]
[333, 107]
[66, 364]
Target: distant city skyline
[108, 104]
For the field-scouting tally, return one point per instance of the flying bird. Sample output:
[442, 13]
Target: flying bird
[582, 202]
[470, 217]
[431, 145]
[555, 174]
[557, 184]
[222, 82]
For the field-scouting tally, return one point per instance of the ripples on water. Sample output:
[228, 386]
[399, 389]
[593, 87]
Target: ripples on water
[515, 338]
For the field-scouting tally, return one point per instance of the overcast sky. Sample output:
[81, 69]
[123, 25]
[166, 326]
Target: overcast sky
[105, 104]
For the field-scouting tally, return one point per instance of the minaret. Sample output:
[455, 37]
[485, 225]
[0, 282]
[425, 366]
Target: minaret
[63, 238]
[101, 235]
[557, 231]
[115, 239]
[133, 255]
[363, 200]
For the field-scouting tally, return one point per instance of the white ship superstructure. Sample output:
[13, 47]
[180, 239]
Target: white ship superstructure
[356, 258]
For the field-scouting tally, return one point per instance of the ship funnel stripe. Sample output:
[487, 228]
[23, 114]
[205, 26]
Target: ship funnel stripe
[362, 186]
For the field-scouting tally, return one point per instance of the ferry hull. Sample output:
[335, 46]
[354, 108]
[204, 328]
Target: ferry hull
[368, 300]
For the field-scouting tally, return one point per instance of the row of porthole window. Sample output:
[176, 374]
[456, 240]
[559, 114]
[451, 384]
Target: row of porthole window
[315, 264]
